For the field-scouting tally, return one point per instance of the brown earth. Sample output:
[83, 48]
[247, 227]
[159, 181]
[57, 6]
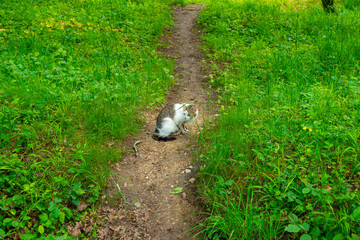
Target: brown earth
[147, 181]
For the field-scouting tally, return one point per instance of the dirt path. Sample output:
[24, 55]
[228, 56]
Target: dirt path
[153, 211]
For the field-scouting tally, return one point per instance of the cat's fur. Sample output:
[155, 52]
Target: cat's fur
[171, 121]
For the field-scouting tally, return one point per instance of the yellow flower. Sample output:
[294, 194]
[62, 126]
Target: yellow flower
[304, 128]
[310, 129]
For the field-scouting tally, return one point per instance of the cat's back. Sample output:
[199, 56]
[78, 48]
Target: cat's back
[167, 112]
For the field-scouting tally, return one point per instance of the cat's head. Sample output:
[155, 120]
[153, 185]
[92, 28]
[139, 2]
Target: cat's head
[186, 115]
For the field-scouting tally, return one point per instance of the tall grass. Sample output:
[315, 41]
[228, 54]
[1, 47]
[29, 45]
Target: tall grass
[73, 77]
[283, 161]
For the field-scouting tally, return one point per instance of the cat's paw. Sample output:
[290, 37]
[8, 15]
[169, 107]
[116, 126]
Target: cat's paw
[176, 133]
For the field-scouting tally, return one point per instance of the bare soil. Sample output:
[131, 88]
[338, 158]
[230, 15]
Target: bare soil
[147, 181]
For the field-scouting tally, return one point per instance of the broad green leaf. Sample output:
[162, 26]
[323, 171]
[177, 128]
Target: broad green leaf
[229, 182]
[52, 206]
[80, 191]
[338, 236]
[305, 237]
[48, 223]
[76, 186]
[13, 211]
[4, 208]
[68, 212]
[177, 190]
[57, 200]
[62, 217]
[293, 218]
[329, 199]
[43, 217]
[2, 232]
[15, 224]
[355, 215]
[221, 180]
[306, 190]
[76, 201]
[315, 232]
[305, 226]
[26, 218]
[28, 236]
[6, 220]
[55, 213]
[292, 228]
[41, 229]
[41, 206]
[22, 224]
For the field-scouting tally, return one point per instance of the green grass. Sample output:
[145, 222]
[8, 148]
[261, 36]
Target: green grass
[283, 159]
[74, 77]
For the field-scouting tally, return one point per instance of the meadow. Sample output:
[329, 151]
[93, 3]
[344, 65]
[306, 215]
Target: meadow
[74, 78]
[282, 161]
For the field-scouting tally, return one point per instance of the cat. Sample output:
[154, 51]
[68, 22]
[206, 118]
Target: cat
[171, 121]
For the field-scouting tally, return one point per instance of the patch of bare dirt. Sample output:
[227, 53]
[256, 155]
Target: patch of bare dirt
[148, 180]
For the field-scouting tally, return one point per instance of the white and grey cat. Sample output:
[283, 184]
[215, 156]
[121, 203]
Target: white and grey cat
[171, 120]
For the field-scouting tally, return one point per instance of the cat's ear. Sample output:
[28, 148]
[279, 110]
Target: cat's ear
[189, 106]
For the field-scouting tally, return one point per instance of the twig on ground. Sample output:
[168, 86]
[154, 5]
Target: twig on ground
[135, 149]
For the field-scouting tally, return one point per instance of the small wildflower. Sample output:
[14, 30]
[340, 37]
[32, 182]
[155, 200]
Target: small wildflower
[304, 128]
[61, 149]
[310, 129]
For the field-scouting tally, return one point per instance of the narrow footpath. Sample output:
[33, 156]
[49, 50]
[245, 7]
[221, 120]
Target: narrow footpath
[148, 180]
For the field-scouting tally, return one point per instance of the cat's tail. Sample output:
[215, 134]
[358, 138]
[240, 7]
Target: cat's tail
[157, 137]
[163, 139]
